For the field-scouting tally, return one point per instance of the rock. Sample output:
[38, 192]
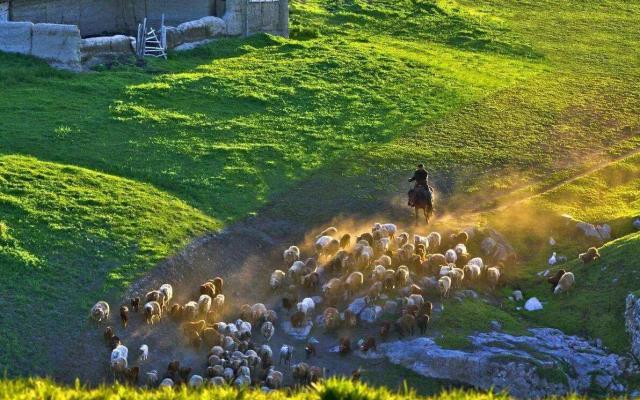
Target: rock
[59, 44]
[297, 333]
[533, 304]
[465, 294]
[357, 305]
[600, 232]
[98, 47]
[193, 45]
[202, 28]
[521, 365]
[517, 295]
[371, 314]
[390, 307]
[15, 37]
[495, 325]
[636, 223]
[497, 248]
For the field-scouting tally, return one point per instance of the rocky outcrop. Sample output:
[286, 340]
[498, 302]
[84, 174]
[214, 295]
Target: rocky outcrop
[632, 322]
[546, 363]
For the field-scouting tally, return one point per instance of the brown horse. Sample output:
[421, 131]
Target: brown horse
[421, 198]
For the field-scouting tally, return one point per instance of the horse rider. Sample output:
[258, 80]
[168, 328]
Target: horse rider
[420, 177]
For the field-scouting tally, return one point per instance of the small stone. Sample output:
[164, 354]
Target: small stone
[495, 325]
[636, 224]
[517, 295]
[533, 304]
[614, 280]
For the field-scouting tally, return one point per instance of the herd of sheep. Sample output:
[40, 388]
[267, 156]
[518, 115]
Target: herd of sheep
[380, 268]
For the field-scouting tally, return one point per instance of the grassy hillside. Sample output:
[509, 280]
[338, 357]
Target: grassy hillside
[330, 390]
[103, 174]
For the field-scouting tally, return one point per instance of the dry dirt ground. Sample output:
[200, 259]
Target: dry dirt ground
[244, 254]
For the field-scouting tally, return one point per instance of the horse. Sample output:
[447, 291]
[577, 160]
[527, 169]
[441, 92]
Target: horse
[421, 198]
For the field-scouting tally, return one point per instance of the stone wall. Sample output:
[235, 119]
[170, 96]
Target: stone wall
[247, 17]
[58, 44]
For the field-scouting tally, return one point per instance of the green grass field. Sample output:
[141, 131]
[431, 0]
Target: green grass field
[104, 174]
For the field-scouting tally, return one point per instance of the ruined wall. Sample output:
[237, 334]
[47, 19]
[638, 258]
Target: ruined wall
[246, 17]
[99, 17]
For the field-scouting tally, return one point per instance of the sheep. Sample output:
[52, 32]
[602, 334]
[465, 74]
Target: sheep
[277, 278]
[444, 286]
[415, 289]
[472, 272]
[591, 254]
[300, 372]
[131, 375]
[451, 256]
[154, 295]
[274, 379]
[384, 260]
[135, 304]
[266, 354]
[381, 246]
[217, 303]
[401, 276]
[311, 281]
[167, 382]
[124, 315]
[457, 276]
[350, 319]
[167, 291]
[389, 230]
[476, 261]
[218, 283]
[315, 374]
[368, 344]
[208, 288]
[197, 326]
[295, 272]
[211, 337]
[378, 273]
[217, 381]
[114, 342]
[321, 243]
[423, 240]
[493, 276]
[297, 319]
[367, 237]
[363, 252]
[565, 283]
[422, 321]
[332, 290]
[344, 346]
[204, 304]
[406, 325]
[307, 306]
[152, 378]
[291, 255]
[286, 354]
[401, 240]
[100, 311]
[330, 231]
[555, 278]
[108, 334]
[354, 282]
[267, 329]
[435, 241]
[427, 308]
[331, 317]
[144, 353]
[196, 381]
[415, 299]
[118, 362]
[258, 311]
[176, 312]
[345, 241]
[152, 312]
[374, 292]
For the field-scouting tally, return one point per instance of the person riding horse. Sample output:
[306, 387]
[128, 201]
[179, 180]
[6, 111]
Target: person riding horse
[420, 177]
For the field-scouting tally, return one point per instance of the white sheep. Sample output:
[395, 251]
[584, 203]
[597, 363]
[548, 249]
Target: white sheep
[444, 286]
[307, 306]
[330, 231]
[191, 310]
[322, 242]
[435, 241]
[244, 328]
[204, 304]
[196, 381]
[401, 239]
[379, 272]
[295, 272]
[277, 278]
[445, 270]
[461, 250]
[119, 360]
[451, 256]
[472, 272]
[476, 261]
[424, 240]
[493, 276]
[152, 378]
[286, 354]
[144, 352]
[167, 382]
[267, 330]
[566, 282]
[152, 312]
[384, 260]
[218, 302]
[415, 299]
[386, 229]
[100, 311]
[167, 291]
[291, 255]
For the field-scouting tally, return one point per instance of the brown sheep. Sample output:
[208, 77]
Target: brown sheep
[211, 337]
[435, 261]
[115, 342]
[212, 317]
[460, 238]
[350, 319]
[368, 344]
[131, 375]
[209, 289]
[385, 329]
[297, 319]
[415, 289]
[406, 325]
[311, 281]
[426, 308]
[197, 326]
[218, 283]
[246, 312]
[366, 236]
[374, 292]
[592, 254]
[411, 309]
[315, 374]
[310, 350]
[108, 334]
[422, 321]
[176, 312]
[124, 315]
[154, 295]
[555, 278]
[345, 345]
[345, 241]
[135, 304]
[300, 372]
[331, 318]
